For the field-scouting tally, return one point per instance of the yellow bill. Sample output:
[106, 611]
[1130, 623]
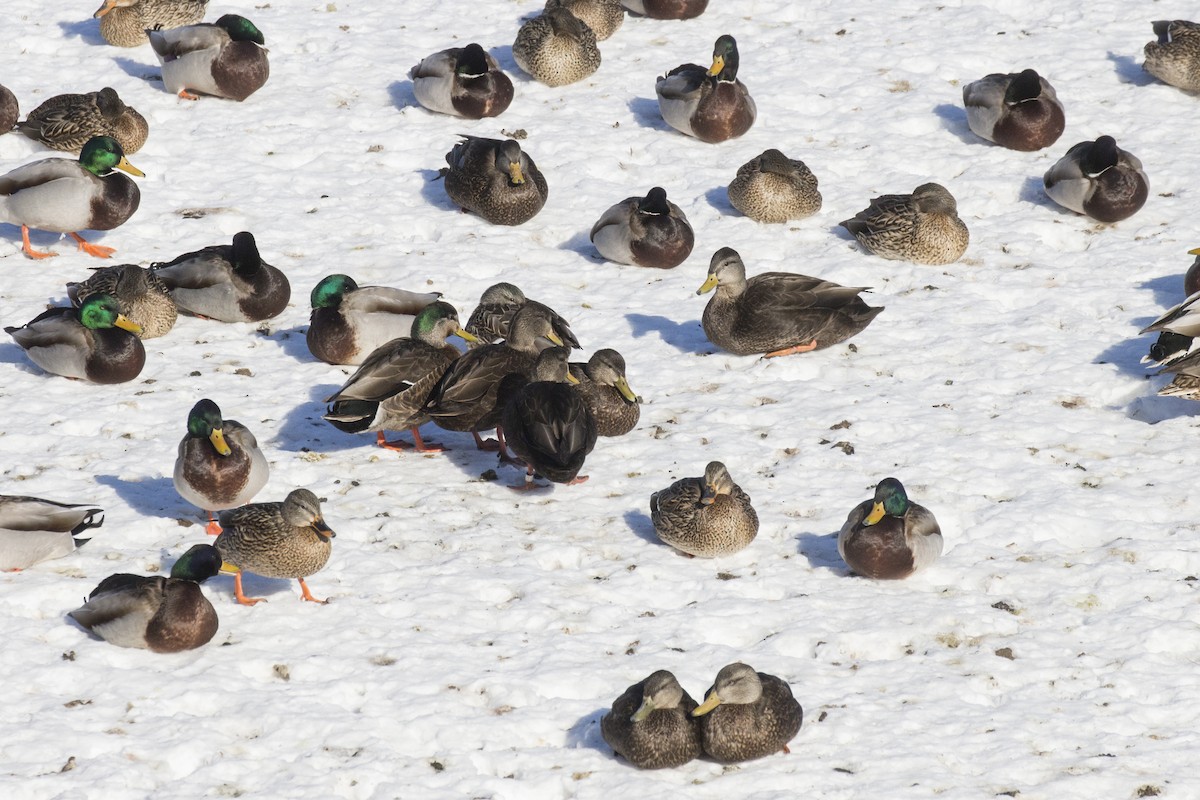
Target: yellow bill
[875, 515]
[125, 323]
[709, 284]
[125, 166]
[217, 437]
[708, 705]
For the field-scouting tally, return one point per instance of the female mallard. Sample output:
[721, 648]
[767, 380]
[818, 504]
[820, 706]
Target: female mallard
[276, 540]
[922, 227]
[218, 464]
[778, 313]
[349, 321]
[10, 109]
[774, 188]
[1098, 179]
[58, 194]
[1019, 110]
[889, 537]
[604, 17]
[125, 23]
[606, 393]
[556, 48]
[747, 715]
[547, 424]
[651, 724]
[388, 392]
[143, 298]
[645, 231]
[1175, 57]
[33, 530]
[230, 283]
[463, 82]
[68, 121]
[94, 342]
[499, 303]
[667, 9]
[164, 615]
[227, 58]
[706, 517]
[495, 179]
[710, 104]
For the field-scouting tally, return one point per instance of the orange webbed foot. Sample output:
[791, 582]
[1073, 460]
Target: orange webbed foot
[241, 598]
[184, 94]
[308, 595]
[99, 251]
[578, 479]
[787, 351]
[27, 247]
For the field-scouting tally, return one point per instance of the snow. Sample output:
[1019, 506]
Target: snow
[475, 636]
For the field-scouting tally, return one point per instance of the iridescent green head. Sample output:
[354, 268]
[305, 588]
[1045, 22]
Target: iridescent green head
[198, 564]
[725, 59]
[102, 154]
[100, 311]
[890, 500]
[241, 29]
[330, 291]
[436, 321]
[204, 422]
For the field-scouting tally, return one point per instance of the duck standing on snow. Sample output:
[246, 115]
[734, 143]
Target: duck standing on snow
[889, 536]
[1019, 111]
[492, 318]
[1098, 179]
[10, 109]
[495, 179]
[774, 188]
[33, 530]
[218, 464]
[229, 283]
[708, 516]
[747, 715]
[463, 82]
[1174, 57]
[68, 196]
[225, 59]
[67, 121]
[710, 104]
[606, 393]
[645, 231]
[651, 724]
[144, 299]
[922, 227]
[604, 17]
[94, 342]
[349, 321]
[667, 9]
[556, 48]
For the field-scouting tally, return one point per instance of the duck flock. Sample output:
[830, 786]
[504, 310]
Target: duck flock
[453, 324]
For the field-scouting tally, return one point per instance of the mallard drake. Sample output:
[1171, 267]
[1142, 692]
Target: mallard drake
[645, 231]
[667, 9]
[1176, 328]
[556, 48]
[499, 303]
[606, 393]
[218, 465]
[889, 536]
[10, 109]
[463, 82]
[707, 517]
[651, 726]
[774, 188]
[94, 342]
[67, 196]
[276, 540]
[1191, 278]
[349, 321]
[778, 313]
[389, 390]
[495, 179]
[68, 121]
[922, 227]
[164, 615]
[710, 104]
[33, 530]
[1018, 110]
[547, 424]
[230, 283]
[144, 299]
[227, 58]
[1174, 57]
[604, 17]
[124, 23]
[1098, 179]
[747, 715]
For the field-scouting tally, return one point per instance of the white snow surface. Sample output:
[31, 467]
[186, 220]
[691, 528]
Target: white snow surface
[475, 636]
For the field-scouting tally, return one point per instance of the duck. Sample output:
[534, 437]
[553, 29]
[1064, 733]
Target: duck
[389, 390]
[33, 530]
[68, 196]
[773, 188]
[778, 313]
[1174, 58]
[747, 715]
[708, 517]
[889, 537]
[124, 23]
[709, 104]
[651, 724]
[1191, 278]
[229, 283]
[349, 321]
[604, 17]
[1018, 110]
[667, 9]
[462, 82]
[922, 227]
[143, 298]
[218, 464]
[227, 58]
[67, 121]
[606, 393]
[1176, 329]
[94, 342]
[648, 231]
[547, 424]
[499, 303]
[495, 179]
[276, 540]
[556, 48]
[10, 109]
[1186, 383]
[162, 615]
[1098, 179]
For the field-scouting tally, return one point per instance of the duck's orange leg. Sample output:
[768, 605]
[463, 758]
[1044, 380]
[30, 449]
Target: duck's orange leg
[213, 528]
[425, 447]
[184, 94]
[28, 248]
[787, 351]
[241, 598]
[308, 595]
[99, 251]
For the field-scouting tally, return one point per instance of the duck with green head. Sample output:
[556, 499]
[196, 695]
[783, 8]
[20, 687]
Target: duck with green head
[710, 104]
[229, 283]
[889, 537]
[348, 321]
[227, 58]
[218, 464]
[94, 342]
[142, 296]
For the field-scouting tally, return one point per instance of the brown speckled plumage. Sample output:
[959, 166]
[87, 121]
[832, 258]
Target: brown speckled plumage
[142, 296]
[774, 188]
[124, 23]
[10, 109]
[922, 227]
[747, 715]
[1174, 57]
[664, 735]
[495, 179]
[606, 393]
[604, 17]
[66, 122]
[708, 516]
[499, 303]
[556, 48]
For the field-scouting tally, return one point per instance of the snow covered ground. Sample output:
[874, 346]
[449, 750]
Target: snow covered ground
[475, 636]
